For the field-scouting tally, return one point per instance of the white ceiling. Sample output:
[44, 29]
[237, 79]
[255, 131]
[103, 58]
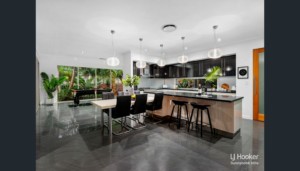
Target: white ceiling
[66, 27]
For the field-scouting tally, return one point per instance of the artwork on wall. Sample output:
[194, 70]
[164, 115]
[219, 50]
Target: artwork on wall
[243, 72]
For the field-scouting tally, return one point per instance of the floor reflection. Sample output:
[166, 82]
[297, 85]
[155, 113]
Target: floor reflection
[72, 138]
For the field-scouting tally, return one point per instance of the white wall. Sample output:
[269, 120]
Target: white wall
[136, 56]
[244, 57]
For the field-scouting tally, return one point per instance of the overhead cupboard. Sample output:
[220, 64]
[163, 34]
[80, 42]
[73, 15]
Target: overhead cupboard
[190, 69]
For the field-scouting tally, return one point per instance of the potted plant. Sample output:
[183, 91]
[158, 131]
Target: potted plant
[131, 81]
[212, 76]
[51, 84]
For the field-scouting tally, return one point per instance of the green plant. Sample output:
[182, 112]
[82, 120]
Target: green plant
[185, 83]
[117, 74]
[65, 94]
[213, 75]
[51, 84]
[131, 81]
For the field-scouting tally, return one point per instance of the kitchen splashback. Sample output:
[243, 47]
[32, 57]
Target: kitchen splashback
[231, 81]
[171, 82]
[157, 82]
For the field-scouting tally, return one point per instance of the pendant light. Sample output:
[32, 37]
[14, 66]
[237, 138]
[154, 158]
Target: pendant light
[215, 52]
[140, 63]
[161, 62]
[113, 61]
[183, 58]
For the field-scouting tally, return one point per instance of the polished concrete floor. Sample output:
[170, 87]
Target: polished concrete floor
[71, 138]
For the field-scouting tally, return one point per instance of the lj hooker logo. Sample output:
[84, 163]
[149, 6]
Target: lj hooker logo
[244, 159]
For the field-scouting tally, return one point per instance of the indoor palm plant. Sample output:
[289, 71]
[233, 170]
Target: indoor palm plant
[51, 83]
[213, 75]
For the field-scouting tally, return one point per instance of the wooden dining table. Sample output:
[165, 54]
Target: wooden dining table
[111, 103]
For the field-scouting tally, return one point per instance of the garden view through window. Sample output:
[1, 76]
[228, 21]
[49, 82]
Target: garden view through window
[83, 78]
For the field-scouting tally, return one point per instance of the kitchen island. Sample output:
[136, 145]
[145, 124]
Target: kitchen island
[225, 110]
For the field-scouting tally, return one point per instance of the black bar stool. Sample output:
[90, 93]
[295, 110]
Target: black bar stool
[179, 104]
[200, 107]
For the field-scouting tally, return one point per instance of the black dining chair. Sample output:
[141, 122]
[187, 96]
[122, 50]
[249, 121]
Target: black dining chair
[138, 108]
[122, 110]
[155, 105]
[106, 96]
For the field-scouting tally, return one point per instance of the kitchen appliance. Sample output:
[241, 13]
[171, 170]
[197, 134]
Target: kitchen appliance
[225, 86]
[165, 86]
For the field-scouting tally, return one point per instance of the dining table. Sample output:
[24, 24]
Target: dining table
[111, 103]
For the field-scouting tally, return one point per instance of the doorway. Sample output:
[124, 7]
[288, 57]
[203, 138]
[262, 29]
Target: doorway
[259, 84]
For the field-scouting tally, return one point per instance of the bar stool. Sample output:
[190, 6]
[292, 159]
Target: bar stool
[200, 107]
[157, 104]
[179, 104]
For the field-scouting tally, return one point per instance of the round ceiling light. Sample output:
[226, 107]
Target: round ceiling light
[140, 64]
[169, 28]
[112, 61]
[183, 59]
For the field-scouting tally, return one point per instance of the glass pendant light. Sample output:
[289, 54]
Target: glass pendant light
[215, 52]
[161, 62]
[140, 63]
[113, 61]
[183, 58]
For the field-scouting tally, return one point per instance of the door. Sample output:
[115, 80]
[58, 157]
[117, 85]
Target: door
[258, 84]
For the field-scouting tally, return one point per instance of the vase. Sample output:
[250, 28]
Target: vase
[131, 90]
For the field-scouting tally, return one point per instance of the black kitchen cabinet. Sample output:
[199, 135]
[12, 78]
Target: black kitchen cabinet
[165, 71]
[180, 70]
[154, 71]
[151, 71]
[197, 68]
[161, 72]
[208, 64]
[158, 72]
[172, 71]
[229, 65]
[195, 65]
[136, 71]
[189, 70]
[192, 69]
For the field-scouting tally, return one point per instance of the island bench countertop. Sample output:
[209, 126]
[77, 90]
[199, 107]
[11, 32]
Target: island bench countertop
[224, 98]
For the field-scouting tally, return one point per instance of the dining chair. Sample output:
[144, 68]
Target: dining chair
[155, 105]
[138, 108]
[122, 110]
